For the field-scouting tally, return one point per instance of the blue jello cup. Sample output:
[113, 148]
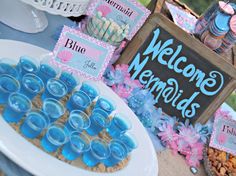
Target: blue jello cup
[105, 104]
[99, 151]
[7, 66]
[35, 122]
[53, 109]
[99, 121]
[27, 65]
[8, 85]
[90, 89]
[77, 145]
[77, 121]
[78, 101]
[70, 80]
[55, 137]
[118, 153]
[130, 141]
[31, 85]
[119, 126]
[18, 105]
[54, 89]
[47, 70]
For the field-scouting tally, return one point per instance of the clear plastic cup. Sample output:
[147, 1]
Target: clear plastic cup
[70, 80]
[55, 137]
[54, 89]
[90, 89]
[105, 104]
[47, 70]
[99, 121]
[26, 65]
[35, 122]
[99, 151]
[118, 153]
[78, 144]
[78, 101]
[119, 126]
[31, 85]
[77, 121]
[18, 105]
[8, 85]
[7, 66]
[53, 109]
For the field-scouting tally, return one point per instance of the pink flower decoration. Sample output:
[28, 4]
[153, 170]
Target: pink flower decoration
[124, 68]
[104, 9]
[122, 91]
[169, 136]
[189, 135]
[222, 138]
[132, 83]
[65, 56]
[194, 155]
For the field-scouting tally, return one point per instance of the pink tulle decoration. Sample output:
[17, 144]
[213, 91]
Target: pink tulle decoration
[122, 91]
[189, 135]
[169, 137]
[124, 68]
[132, 83]
[194, 156]
[65, 56]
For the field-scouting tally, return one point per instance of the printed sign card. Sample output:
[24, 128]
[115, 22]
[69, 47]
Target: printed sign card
[224, 135]
[81, 54]
[123, 12]
[181, 18]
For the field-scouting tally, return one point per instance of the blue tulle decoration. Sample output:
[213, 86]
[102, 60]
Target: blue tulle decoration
[204, 130]
[135, 101]
[112, 77]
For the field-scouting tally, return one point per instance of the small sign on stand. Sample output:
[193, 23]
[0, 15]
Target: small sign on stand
[81, 54]
[123, 12]
[224, 135]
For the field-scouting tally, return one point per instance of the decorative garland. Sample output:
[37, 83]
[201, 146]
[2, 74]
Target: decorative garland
[180, 137]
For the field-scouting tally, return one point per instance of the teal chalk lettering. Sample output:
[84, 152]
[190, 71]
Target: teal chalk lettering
[172, 59]
[145, 74]
[156, 48]
[178, 61]
[137, 66]
[189, 71]
[211, 83]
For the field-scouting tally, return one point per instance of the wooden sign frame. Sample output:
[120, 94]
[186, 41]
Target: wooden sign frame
[214, 59]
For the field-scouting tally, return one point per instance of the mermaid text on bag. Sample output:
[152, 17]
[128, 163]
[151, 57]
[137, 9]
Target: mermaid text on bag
[169, 57]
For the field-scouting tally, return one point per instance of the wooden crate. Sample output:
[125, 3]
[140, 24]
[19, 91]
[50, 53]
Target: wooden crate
[213, 60]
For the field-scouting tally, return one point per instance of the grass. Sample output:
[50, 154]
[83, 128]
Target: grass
[231, 101]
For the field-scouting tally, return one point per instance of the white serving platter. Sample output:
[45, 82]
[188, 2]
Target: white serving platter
[143, 160]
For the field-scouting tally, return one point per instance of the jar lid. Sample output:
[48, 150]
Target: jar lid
[212, 42]
[233, 24]
[226, 7]
[222, 22]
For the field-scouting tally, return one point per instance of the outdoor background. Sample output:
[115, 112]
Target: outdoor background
[199, 6]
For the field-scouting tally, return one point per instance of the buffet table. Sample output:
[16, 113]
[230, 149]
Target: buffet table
[167, 162]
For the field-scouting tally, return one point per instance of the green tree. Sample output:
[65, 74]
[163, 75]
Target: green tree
[199, 6]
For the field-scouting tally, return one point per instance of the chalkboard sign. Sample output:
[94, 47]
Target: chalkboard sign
[187, 79]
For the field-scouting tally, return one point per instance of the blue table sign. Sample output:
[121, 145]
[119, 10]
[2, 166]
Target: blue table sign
[81, 54]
